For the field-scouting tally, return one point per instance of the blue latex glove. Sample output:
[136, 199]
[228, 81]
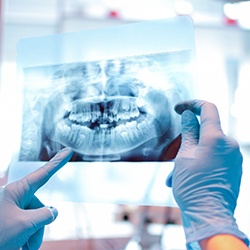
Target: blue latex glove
[22, 215]
[207, 174]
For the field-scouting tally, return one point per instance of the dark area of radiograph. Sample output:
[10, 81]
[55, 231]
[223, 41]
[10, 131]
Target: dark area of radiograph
[107, 110]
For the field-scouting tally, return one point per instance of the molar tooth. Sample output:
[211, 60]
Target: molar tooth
[84, 131]
[134, 111]
[74, 114]
[68, 106]
[74, 109]
[133, 124]
[124, 135]
[125, 115]
[63, 129]
[140, 102]
[143, 128]
[115, 118]
[72, 117]
[119, 116]
[75, 129]
[134, 134]
[91, 136]
[86, 117]
[131, 128]
[82, 135]
[127, 124]
[79, 118]
[79, 140]
[121, 135]
[121, 130]
[131, 135]
[150, 122]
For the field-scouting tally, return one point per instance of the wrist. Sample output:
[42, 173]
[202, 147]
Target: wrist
[223, 242]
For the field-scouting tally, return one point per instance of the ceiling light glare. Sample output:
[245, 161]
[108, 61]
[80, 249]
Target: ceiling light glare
[95, 10]
[244, 17]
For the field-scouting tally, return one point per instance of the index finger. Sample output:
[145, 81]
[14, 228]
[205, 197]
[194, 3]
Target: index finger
[208, 112]
[39, 177]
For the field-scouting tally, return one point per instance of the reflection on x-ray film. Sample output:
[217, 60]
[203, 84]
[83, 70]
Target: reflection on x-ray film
[108, 110]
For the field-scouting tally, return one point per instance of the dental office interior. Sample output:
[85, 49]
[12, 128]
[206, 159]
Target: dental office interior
[221, 70]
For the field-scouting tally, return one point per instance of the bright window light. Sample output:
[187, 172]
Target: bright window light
[9, 124]
[183, 7]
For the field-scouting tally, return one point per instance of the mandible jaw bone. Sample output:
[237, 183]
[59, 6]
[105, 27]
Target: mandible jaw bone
[99, 119]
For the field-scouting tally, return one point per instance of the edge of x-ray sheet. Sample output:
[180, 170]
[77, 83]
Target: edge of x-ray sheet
[113, 182]
[136, 183]
[151, 37]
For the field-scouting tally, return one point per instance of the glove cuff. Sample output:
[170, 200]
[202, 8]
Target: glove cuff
[199, 228]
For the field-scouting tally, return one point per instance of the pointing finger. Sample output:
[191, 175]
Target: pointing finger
[39, 177]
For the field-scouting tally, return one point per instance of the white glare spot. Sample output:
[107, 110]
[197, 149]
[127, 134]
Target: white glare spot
[183, 7]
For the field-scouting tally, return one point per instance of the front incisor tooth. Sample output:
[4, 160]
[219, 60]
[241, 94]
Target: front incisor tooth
[104, 126]
[125, 105]
[115, 107]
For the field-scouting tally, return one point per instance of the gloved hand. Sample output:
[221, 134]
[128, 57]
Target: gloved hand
[22, 215]
[207, 174]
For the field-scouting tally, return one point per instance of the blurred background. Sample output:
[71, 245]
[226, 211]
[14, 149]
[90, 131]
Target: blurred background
[222, 37]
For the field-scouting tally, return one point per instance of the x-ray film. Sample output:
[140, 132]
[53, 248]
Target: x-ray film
[109, 94]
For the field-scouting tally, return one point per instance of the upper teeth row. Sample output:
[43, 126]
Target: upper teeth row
[92, 112]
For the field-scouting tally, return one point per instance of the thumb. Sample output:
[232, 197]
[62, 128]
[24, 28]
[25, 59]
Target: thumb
[41, 217]
[189, 136]
[45, 215]
[38, 218]
[190, 130]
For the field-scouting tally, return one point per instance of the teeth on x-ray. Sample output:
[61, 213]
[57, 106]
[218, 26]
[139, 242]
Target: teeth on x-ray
[109, 107]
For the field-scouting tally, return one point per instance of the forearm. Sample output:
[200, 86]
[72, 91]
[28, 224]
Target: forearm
[223, 242]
